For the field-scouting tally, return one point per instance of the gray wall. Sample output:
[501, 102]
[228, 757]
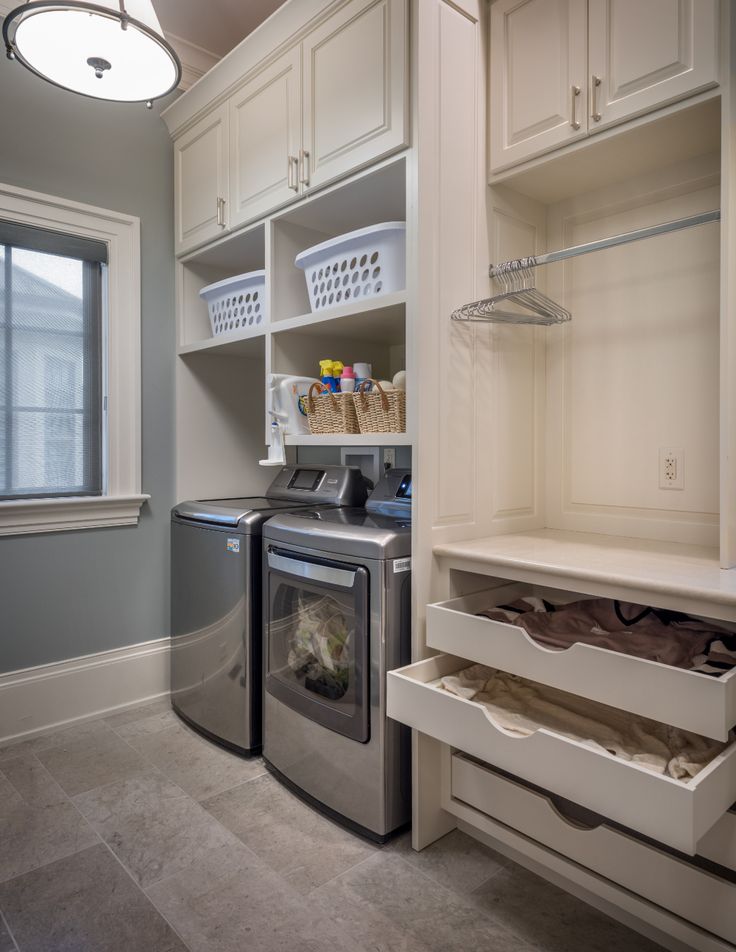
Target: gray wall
[73, 593]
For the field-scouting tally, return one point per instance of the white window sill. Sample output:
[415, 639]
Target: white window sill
[21, 516]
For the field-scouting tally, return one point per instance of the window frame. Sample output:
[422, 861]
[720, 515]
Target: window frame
[122, 497]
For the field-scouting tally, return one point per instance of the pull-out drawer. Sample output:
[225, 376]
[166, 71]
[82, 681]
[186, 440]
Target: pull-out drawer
[719, 844]
[698, 895]
[688, 699]
[670, 811]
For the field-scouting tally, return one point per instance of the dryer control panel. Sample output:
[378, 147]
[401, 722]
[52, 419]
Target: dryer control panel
[393, 493]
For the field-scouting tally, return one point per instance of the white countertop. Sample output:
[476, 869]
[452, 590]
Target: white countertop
[671, 575]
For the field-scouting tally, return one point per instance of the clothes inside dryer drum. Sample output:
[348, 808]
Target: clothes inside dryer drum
[523, 707]
[668, 637]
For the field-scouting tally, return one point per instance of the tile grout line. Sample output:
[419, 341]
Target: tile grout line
[5, 922]
[145, 895]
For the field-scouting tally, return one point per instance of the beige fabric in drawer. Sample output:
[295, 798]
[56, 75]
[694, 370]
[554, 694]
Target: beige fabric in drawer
[670, 811]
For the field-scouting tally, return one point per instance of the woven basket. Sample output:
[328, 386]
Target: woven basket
[331, 412]
[380, 411]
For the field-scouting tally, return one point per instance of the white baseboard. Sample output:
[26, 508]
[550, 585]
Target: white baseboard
[33, 700]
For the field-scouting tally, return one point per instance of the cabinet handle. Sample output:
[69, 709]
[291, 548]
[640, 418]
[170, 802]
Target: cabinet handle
[574, 121]
[292, 172]
[594, 85]
[304, 167]
[221, 212]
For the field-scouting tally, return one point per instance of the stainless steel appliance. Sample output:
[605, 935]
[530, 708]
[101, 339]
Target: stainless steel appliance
[216, 629]
[336, 618]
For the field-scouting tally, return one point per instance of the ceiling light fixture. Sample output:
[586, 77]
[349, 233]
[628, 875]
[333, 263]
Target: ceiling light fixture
[112, 49]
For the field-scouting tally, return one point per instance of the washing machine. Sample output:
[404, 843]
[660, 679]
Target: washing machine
[337, 617]
[216, 659]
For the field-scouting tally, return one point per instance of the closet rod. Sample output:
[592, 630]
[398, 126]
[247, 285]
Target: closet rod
[550, 256]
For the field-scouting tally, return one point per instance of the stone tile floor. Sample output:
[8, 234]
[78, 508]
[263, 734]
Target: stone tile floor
[132, 833]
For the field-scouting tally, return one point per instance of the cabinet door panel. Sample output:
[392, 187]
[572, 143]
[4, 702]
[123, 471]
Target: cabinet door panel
[354, 88]
[538, 57]
[201, 181]
[649, 54]
[265, 130]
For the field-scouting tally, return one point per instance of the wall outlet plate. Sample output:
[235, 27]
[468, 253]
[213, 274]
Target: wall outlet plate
[671, 467]
[389, 457]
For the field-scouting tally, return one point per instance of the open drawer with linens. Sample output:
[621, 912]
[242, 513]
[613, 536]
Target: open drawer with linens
[673, 668]
[665, 783]
[701, 890]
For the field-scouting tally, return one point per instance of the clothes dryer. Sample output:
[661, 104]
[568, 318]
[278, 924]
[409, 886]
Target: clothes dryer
[337, 617]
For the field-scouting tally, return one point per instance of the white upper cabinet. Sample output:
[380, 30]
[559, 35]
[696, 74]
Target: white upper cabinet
[644, 55]
[538, 77]
[330, 104]
[354, 89]
[265, 133]
[201, 181]
[565, 69]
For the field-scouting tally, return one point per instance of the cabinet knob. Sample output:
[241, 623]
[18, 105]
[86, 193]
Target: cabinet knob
[304, 167]
[594, 86]
[574, 121]
[221, 212]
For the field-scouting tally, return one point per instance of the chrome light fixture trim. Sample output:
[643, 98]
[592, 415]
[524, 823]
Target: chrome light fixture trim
[24, 11]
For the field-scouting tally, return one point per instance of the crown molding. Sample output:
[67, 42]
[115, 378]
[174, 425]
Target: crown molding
[195, 60]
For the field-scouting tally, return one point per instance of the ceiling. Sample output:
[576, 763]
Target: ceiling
[214, 25]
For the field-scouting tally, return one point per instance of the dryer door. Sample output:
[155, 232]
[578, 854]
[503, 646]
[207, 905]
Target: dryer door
[317, 630]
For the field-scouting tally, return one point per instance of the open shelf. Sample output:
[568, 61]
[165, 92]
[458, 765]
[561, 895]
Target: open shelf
[618, 155]
[230, 345]
[374, 197]
[349, 439]
[609, 566]
[230, 256]
[381, 317]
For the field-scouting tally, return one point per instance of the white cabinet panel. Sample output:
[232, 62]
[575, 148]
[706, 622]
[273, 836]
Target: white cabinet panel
[538, 61]
[265, 131]
[354, 89]
[201, 181]
[644, 55]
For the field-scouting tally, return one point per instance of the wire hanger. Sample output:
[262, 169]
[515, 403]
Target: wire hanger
[516, 278]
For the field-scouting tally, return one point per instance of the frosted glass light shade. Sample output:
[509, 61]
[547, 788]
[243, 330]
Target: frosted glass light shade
[96, 49]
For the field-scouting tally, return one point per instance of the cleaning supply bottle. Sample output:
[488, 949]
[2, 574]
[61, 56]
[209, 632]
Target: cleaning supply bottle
[326, 374]
[337, 369]
[347, 380]
[362, 372]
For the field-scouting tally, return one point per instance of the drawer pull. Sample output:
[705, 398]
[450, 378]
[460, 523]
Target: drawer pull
[221, 212]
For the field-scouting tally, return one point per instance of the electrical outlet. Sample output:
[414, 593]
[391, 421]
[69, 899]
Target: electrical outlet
[389, 457]
[671, 468]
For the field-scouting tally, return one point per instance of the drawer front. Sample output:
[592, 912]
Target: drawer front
[685, 699]
[694, 894]
[669, 811]
[719, 843]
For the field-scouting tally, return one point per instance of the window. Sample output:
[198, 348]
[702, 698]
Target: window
[70, 362]
[51, 325]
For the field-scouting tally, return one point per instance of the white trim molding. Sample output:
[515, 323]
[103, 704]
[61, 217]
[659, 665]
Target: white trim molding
[123, 497]
[195, 60]
[33, 700]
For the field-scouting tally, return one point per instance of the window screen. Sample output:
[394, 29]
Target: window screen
[50, 363]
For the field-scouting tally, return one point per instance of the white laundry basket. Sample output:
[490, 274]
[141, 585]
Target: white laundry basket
[362, 264]
[236, 304]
